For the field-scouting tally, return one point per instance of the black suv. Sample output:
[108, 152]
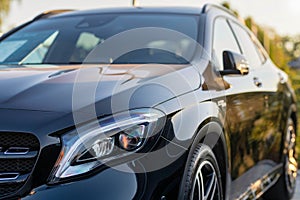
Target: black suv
[143, 103]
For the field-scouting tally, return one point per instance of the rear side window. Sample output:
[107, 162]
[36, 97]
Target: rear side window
[249, 49]
[260, 49]
[223, 40]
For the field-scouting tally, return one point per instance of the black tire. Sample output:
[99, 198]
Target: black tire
[202, 176]
[285, 187]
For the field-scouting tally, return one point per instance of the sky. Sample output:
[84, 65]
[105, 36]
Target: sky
[282, 15]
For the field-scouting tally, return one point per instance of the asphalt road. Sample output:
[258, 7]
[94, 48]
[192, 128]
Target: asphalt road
[297, 193]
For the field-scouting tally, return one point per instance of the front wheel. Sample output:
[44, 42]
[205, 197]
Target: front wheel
[203, 179]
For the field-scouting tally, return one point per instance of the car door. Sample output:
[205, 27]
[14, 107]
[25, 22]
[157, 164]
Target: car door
[265, 136]
[245, 104]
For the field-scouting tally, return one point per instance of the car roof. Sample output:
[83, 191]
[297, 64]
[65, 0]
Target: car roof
[120, 10]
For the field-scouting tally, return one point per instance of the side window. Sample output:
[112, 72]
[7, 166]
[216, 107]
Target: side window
[249, 49]
[223, 40]
[260, 49]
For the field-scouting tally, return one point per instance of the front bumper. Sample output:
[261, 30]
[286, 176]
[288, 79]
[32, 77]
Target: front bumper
[110, 184]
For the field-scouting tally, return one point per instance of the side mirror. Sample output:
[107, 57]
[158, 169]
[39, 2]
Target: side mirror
[234, 64]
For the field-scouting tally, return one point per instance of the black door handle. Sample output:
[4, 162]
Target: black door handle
[257, 82]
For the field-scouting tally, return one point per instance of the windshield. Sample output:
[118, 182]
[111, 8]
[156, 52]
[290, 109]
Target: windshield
[69, 40]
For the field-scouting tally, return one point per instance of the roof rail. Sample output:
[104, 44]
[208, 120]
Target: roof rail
[208, 6]
[50, 12]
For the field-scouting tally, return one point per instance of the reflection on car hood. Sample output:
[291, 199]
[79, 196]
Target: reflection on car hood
[56, 88]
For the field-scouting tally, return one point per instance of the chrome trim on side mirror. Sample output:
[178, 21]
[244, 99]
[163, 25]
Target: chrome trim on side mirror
[234, 64]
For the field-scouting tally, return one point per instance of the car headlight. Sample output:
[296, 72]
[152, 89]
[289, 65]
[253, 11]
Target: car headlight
[108, 139]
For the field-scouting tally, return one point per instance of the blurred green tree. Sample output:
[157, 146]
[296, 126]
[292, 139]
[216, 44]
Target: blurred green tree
[4, 9]
[227, 5]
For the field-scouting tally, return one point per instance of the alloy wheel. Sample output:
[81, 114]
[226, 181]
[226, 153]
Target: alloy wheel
[205, 184]
[291, 165]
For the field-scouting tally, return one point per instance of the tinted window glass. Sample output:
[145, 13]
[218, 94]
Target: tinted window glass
[224, 40]
[260, 49]
[248, 47]
[68, 40]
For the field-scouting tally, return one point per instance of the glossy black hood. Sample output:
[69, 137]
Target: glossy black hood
[66, 89]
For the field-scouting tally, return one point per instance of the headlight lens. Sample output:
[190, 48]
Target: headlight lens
[108, 139]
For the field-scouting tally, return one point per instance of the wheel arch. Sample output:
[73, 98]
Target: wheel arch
[211, 133]
[192, 124]
[219, 147]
